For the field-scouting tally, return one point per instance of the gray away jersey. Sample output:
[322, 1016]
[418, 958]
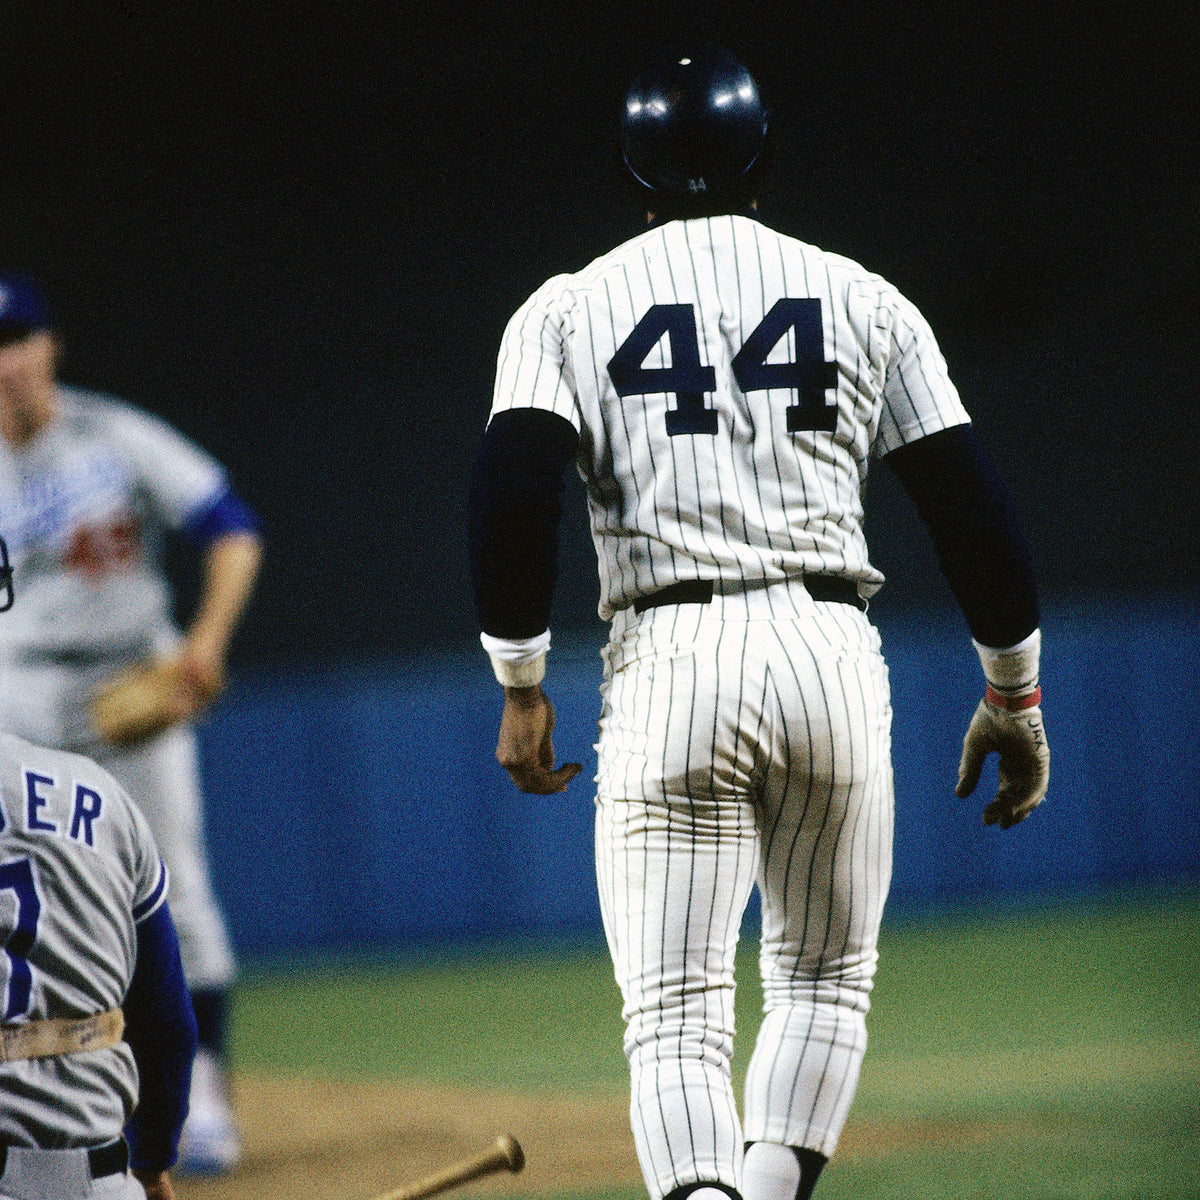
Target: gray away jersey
[83, 508]
[78, 869]
[726, 427]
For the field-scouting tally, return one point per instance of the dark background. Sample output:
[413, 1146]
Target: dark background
[297, 233]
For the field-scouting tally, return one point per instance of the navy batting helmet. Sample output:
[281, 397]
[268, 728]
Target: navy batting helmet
[694, 122]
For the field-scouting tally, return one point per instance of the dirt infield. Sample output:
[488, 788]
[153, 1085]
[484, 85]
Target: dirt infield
[323, 1140]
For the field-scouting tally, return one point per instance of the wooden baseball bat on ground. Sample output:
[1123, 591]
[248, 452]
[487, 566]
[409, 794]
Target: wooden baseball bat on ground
[504, 1154]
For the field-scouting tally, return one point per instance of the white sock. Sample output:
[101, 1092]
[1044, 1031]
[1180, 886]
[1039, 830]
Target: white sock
[708, 1193]
[770, 1172]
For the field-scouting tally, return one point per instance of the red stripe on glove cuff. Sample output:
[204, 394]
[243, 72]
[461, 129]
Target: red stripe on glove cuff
[1013, 703]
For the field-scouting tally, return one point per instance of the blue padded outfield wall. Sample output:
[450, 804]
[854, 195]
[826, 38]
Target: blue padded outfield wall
[360, 808]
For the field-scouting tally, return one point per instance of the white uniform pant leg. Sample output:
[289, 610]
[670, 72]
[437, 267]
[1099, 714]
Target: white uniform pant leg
[117, 1187]
[824, 876]
[163, 776]
[676, 849]
[61, 1175]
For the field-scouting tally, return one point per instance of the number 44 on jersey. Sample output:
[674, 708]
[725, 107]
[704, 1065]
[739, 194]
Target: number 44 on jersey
[809, 375]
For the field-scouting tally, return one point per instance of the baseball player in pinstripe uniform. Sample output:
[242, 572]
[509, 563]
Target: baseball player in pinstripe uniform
[89, 487]
[97, 1028]
[722, 390]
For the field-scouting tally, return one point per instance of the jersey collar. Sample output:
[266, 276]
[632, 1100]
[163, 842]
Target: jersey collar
[660, 221]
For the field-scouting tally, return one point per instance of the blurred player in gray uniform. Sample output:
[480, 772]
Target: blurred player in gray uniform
[88, 488]
[90, 957]
[722, 390]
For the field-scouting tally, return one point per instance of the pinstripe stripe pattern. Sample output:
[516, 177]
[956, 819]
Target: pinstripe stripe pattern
[739, 746]
[746, 740]
[755, 502]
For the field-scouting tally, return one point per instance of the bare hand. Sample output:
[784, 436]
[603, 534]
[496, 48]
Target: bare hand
[525, 749]
[157, 1184]
[201, 680]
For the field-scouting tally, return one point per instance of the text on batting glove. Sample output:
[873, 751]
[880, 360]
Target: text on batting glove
[1012, 728]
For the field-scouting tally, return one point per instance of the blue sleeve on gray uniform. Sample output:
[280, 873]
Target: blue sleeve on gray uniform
[515, 507]
[228, 513]
[979, 540]
[160, 1028]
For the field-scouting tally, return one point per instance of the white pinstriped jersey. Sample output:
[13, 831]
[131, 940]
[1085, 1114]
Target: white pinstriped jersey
[730, 386]
[78, 870]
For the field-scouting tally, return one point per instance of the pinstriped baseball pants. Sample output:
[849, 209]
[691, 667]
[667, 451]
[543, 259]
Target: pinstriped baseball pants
[743, 741]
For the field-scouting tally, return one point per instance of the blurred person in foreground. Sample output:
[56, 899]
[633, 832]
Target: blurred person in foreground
[97, 1030]
[89, 488]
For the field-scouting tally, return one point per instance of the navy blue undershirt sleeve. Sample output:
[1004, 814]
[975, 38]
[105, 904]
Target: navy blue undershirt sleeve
[980, 544]
[228, 513]
[160, 1028]
[516, 504]
[515, 508]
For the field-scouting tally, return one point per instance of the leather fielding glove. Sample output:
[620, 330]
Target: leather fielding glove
[142, 700]
[1008, 722]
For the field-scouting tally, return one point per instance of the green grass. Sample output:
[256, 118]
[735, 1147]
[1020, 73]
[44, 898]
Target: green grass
[1073, 1000]
[1041, 1055]
[534, 1023]
[1077, 1030]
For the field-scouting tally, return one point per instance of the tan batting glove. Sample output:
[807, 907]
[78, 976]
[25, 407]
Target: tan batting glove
[1008, 722]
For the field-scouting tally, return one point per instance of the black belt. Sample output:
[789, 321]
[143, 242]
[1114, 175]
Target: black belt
[700, 591]
[112, 1159]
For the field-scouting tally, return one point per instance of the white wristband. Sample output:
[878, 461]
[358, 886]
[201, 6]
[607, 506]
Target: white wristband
[517, 662]
[1012, 670]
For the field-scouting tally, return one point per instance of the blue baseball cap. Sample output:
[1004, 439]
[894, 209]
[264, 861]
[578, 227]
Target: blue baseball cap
[23, 307]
